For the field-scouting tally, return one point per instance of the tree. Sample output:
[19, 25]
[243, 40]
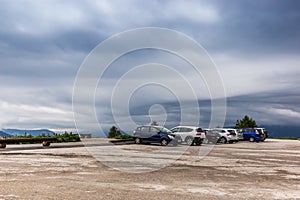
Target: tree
[246, 122]
[154, 123]
[114, 132]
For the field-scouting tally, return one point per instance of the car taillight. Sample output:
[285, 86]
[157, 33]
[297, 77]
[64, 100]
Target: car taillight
[198, 133]
[228, 134]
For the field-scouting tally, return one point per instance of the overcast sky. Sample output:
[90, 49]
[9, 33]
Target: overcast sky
[254, 44]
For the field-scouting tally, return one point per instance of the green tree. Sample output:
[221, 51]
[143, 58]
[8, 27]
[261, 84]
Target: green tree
[246, 122]
[154, 123]
[113, 132]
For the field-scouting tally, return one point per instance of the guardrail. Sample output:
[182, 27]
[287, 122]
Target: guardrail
[46, 141]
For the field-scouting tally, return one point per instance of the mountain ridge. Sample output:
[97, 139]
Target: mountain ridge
[20, 132]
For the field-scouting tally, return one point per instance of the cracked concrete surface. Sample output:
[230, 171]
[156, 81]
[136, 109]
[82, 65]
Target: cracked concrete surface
[268, 170]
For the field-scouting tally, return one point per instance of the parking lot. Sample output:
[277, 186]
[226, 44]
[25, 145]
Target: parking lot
[265, 170]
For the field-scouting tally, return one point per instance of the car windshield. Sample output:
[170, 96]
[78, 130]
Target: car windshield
[212, 132]
[164, 130]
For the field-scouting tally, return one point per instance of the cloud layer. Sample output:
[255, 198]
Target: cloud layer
[255, 46]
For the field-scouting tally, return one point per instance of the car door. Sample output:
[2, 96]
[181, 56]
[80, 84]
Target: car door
[155, 134]
[175, 131]
[145, 133]
[233, 134]
[247, 133]
[137, 132]
[186, 132]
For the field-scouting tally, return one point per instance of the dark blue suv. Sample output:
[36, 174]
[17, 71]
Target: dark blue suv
[154, 134]
[251, 134]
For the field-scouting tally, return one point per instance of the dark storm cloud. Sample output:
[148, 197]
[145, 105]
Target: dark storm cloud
[258, 27]
[271, 108]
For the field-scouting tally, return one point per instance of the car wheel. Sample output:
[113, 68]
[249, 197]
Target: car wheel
[198, 143]
[251, 139]
[137, 141]
[46, 143]
[223, 140]
[164, 142]
[189, 141]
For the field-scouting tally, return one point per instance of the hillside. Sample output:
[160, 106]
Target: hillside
[27, 132]
[4, 135]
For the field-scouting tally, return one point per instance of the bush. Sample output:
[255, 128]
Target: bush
[123, 137]
[68, 137]
[114, 132]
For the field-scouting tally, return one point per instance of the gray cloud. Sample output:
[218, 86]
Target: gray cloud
[42, 45]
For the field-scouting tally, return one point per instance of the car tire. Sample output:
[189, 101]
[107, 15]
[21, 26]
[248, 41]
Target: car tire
[199, 143]
[46, 143]
[251, 139]
[137, 141]
[189, 140]
[164, 142]
[223, 140]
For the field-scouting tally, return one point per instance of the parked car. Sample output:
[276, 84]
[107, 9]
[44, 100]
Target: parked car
[212, 136]
[189, 134]
[251, 134]
[154, 134]
[227, 135]
[240, 135]
[264, 133]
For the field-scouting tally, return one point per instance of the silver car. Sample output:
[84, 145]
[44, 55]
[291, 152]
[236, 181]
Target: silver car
[189, 134]
[229, 135]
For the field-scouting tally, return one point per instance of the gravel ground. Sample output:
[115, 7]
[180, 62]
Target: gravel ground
[268, 170]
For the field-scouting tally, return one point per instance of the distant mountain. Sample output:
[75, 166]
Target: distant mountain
[4, 135]
[27, 132]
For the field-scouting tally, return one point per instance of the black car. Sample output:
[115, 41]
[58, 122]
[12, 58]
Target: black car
[212, 136]
[155, 134]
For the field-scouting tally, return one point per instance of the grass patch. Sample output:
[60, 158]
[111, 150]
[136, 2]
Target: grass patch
[123, 137]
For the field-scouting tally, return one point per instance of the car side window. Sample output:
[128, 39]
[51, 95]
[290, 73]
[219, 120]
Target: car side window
[153, 130]
[186, 130]
[174, 130]
[223, 131]
[145, 129]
